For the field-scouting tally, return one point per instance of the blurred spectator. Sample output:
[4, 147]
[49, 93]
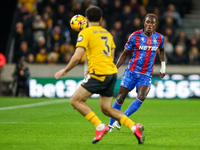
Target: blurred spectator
[194, 56]
[106, 8]
[57, 36]
[47, 20]
[118, 44]
[175, 14]
[196, 35]
[103, 23]
[41, 56]
[41, 42]
[134, 26]
[142, 13]
[64, 30]
[56, 50]
[168, 23]
[157, 12]
[23, 52]
[31, 59]
[21, 77]
[169, 33]
[179, 57]
[35, 13]
[181, 39]
[21, 35]
[116, 10]
[28, 3]
[169, 48]
[134, 4]
[77, 9]
[52, 58]
[67, 48]
[39, 27]
[193, 42]
[60, 14]
[48, 9]
[127, 15]
[27, 19]
[52, 3]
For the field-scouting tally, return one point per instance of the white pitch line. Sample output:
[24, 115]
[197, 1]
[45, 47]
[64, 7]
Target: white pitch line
[35, 104]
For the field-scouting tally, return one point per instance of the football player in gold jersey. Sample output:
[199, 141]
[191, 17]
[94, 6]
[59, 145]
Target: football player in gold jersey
[99, 46]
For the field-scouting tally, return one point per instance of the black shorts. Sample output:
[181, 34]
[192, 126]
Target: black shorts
[100, 84]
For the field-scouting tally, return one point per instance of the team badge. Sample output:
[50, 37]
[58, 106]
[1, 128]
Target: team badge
[154, 40]
[80, 38]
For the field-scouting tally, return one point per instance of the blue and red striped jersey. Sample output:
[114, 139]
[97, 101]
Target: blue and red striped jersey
[144, 51]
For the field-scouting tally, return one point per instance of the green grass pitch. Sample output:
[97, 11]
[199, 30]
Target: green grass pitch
[53, 124]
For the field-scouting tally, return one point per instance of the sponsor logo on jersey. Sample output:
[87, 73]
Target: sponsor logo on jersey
[148, 48]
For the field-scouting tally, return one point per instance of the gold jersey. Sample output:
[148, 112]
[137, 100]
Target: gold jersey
[98, 43]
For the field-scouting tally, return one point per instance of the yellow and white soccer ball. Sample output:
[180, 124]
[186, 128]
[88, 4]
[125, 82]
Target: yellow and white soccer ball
[78, 23]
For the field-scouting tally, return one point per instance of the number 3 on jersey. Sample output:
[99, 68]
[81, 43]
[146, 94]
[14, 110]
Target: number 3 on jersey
[107, 51]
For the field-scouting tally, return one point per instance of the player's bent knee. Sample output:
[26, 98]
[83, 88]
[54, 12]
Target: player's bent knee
[106, 110]
[141, 97]
[72, 101]
[120, 99]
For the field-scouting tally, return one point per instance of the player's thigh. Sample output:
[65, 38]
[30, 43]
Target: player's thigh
[123, 91]
[143, 86]
[143, 80]
[105, 102]
[81, 94]
[128, 80]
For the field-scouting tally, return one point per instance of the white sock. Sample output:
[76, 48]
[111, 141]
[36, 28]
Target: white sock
[133, 128]
[100, 127]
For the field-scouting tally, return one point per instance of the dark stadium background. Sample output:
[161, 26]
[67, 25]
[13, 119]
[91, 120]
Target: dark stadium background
[7, 9]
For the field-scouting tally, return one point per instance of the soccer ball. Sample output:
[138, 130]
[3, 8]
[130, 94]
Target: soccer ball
[78, 23]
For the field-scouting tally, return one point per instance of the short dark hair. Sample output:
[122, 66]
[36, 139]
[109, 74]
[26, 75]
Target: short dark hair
[94, 13]
[150, 15]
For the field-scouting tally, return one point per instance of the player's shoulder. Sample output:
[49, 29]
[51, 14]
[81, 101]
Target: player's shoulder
[85, 30]
[158, 34]
[136, 33]
[94, 29]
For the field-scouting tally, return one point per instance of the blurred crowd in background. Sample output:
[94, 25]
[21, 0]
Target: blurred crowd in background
[43, 34]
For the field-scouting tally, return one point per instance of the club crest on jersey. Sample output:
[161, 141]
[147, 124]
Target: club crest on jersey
[148, 48]
[80, 38]
[154, 40]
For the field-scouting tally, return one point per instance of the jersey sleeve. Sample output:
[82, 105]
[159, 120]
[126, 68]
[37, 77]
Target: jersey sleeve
[131, 42]
[82, 40]
[162, 41]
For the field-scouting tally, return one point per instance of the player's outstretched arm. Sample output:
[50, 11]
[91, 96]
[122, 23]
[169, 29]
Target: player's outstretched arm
[122, 57]
[162, 60]
[73, 62]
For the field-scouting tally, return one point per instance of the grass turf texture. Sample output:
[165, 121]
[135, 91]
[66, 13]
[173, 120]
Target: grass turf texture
[169, 124]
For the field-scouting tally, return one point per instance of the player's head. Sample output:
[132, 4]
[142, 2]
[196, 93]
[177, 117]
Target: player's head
[150, 22]
[94, 14]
